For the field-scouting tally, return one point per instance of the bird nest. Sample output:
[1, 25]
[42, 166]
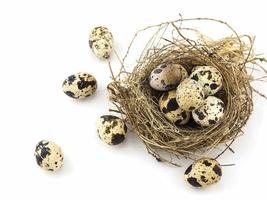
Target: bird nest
[174, 42]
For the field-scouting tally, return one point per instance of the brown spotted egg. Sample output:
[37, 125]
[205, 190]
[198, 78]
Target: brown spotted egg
[80, 85]
[210, 113]
[169, 107]
[167, 76]
[111, 129]
[49, 155]
[209, 77]
[189, 95]
[203, 172]
[101, 42]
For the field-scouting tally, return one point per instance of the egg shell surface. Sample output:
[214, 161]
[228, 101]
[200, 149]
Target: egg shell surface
[203, 172]
[80, 85]
[171, 110]
[166, 77]
[210, 113]
[101, 42]
[189, 95]
[111, 129]
[209, 77]
[49, 155]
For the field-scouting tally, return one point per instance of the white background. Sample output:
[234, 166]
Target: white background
[42, 42]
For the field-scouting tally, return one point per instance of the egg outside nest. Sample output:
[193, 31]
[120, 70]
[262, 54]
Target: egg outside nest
[101, 42]
[203, 172]
[49, 155]
[80, 85]
[111, 129]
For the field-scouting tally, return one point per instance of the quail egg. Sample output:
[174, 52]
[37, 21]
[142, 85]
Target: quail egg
[80, 85]
[210, 113]
[48, 155]
[101, 42]
[203, 172]
[189, 95]
[111, 129]
[170, 109]
[209, 77]
[167, 76]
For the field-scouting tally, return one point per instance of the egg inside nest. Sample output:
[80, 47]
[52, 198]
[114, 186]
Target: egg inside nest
[196, 87]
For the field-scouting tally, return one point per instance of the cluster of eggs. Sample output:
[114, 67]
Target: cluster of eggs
[111, 129]
[82, 85]
[185, 95]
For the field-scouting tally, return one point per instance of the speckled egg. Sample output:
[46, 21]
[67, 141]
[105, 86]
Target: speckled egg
[111, 129]
[167, 76]
[49, 155]
[170, 109]
[209, 77]
[79, 86]
[101, 42]
[210, 113]
[189, 95]
[203, 172]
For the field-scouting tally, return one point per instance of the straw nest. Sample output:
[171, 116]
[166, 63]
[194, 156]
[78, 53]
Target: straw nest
[233, 56]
